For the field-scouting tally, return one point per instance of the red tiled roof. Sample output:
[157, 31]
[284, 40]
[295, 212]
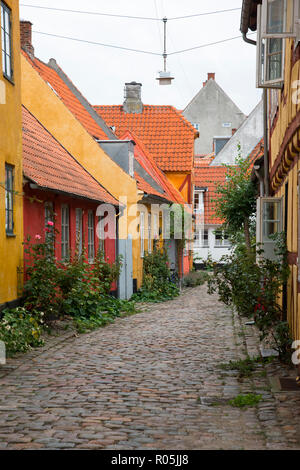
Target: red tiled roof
[204, 160]
[50, 166]
[208, 177]
[67, 96]
[256, 153]
[145, 159]
[166, 134]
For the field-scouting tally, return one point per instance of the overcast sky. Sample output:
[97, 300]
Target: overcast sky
[100, 73]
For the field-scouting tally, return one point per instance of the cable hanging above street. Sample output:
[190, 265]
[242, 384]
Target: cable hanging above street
[149, 18]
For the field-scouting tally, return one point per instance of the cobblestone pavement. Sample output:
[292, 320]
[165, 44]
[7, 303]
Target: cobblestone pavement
[148, 382]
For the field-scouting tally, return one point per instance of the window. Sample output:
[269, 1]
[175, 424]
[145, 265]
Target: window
[201, 238]
[269, 221]
[196, 125]
[9, 199]
[219, 143]
[91, 237]
[101, 232]
[79, 231]
[221, 239]
[276, 20]
[149, 233]
[49, 217]
[65, 232]
[198, 202]
[142, 233]
[6, 41]
[218, 238]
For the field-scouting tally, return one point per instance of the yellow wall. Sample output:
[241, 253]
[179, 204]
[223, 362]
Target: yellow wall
[177, 179]
[287, 111]
[39, 99]
[11, 248]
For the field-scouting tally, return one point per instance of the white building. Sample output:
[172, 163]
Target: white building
[210, 242]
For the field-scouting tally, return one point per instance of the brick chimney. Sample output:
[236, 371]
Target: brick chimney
[204, 83]
[233, 131]
[211, 76]
[26, 37]
[133, 98]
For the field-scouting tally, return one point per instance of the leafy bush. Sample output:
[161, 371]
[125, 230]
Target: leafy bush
[253, 289]
[157, 285]
[20, 331]
[196, 278]
[242, 401]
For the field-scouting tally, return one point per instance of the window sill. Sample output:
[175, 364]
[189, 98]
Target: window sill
[11, 235]
[10, 80]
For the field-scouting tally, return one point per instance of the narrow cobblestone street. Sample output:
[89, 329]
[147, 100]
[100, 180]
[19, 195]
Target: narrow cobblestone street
[148, 382]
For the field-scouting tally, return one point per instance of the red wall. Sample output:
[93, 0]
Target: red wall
[34, 220]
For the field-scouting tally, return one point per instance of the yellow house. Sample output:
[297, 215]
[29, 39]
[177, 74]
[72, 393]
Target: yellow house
[278, 73]
[11, 207]
[53, 99]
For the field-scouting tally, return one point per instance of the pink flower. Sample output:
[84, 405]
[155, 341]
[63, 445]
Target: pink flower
[50, 223]
[38, 237]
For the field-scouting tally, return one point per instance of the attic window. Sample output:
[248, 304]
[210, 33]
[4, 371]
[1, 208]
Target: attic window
[219, 143]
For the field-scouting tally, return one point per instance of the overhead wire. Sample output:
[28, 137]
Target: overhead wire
[113, 15]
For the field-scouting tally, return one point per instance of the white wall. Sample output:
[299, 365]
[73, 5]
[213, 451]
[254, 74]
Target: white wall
[216, 252]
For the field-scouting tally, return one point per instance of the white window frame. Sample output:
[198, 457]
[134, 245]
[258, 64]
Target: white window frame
[65, 232]
[79, 231]
[262, 63]
[91, 236]
[6, 41]
[142, 234]
[268, 245]
[293, 19]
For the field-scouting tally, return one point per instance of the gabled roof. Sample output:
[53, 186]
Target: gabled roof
[146, 161]
[166, 134]
[208, 177]
[62, 86]
[48, 164]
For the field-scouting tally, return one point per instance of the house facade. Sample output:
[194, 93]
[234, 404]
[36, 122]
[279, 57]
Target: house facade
[278, 73]
[58, 190]
[210, 243]
[214, 115]
[11, 202]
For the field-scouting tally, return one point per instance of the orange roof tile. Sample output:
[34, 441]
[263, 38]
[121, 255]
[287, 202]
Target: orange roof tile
[67, 96]
[208, 177]
[49, 165]
[145, 159]
[166, 134]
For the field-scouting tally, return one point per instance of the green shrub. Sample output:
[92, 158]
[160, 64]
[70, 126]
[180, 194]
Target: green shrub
[242, 401]
[253, 289]
[20, 331]
[157, 285]
[195, 278]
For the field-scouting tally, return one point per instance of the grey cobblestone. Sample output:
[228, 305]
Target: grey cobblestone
[137, 384]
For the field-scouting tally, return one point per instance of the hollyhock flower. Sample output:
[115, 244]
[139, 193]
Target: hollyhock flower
[50, 223]
[38, 237]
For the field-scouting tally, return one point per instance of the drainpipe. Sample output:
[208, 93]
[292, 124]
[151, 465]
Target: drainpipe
[265, 117]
